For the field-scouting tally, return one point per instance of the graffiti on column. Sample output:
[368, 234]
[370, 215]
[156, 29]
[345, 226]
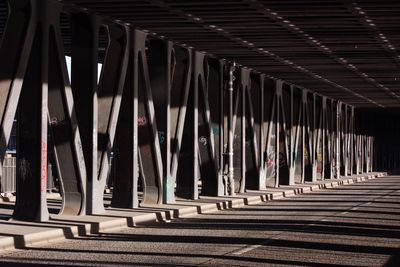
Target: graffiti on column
[142, 120]
[215, 129]
[145, 151]
[319, 162]
[319, 158]
[270, 162]
[306, 157]
[161, 137]
[281, 156]
[270, 158]
[298, 159]
[203, 140]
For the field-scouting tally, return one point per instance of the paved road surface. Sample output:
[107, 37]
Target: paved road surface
[353, 225]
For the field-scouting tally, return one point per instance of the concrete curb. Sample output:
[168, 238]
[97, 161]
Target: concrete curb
[72, 229]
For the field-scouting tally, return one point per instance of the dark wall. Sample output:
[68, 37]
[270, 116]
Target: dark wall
[384, 126]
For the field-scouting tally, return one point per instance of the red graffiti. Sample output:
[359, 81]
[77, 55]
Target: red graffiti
[43, 177]
[270, 161]
[145, 151]
[319, 168]
[142, 120]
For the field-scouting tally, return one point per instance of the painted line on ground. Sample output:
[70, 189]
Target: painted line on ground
[246, 249]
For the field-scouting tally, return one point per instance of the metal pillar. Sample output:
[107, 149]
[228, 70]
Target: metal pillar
[338, 139]
[85, 30]
[181, 111]
[270, 129]
[32, 125]
[292, 151]
[262, 137]
[45, 98]
[189, 178]
[303, 130]
[24, 68]
[278, 93]
[161, 68]
[125, 193]
[230, 174]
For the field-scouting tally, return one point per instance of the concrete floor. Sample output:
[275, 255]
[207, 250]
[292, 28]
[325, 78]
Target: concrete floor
[352, 225]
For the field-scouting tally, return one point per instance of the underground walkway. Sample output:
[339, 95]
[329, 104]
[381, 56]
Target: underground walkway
[351, 225]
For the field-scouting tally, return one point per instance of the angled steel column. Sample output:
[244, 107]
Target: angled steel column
[344, 134]
[262, 141]
[363, 152]
[314, 139]
[208, 164]
[85, 30]
[33, 119]
[292, 151]
[194, 99]
[310, 168]
[330, 140]
[15, 51]
[303, 135]
[238, 124]
[351, 140]
[285, 135]
[338, 138]
[323, 133]
[114, 132]
[222, 85]
[356, 146]
[359, 154]
[216, 83]
[231, 181]
[365, 146]
[160, 66]
[188, 162]
[125, 194]
[254, 117]
[278, 95]
[297, 153]
[270, 129]
[244, 84]
[366, 159]
[371, 150]
[326, 136]
[149, 159]
[45, 50]
[64, 127]
[181, 121]
[319, 114]
[252, 96]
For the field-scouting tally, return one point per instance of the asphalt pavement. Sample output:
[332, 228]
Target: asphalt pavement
[351, 225]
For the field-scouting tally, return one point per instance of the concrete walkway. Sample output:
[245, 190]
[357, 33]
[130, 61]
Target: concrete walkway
[16, 234]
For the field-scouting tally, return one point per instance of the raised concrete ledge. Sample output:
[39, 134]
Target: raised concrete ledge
[15, 234]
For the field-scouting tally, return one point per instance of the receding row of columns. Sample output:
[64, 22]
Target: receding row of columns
[180, 123]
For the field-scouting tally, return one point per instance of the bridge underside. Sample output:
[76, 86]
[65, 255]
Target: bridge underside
[193, 98]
